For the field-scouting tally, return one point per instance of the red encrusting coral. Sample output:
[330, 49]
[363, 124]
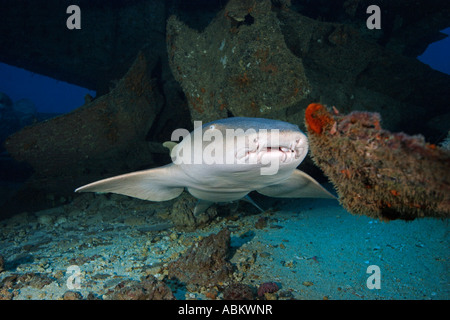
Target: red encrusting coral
[317, 117]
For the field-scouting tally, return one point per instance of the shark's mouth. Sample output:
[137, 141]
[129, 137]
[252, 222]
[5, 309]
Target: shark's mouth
[284, 152]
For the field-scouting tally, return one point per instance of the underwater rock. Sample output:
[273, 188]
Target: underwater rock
[238, 291]
[26, 111]
[267, 287]
[9, 123]
[13, 117]
[239, 64]
[261, 223]
[445, 144]
[5, 101]
[29, 279]
[5, 294]
[7, 287]
[2, 264]
[148, 289]
[181, 214]
[100, 139]
[205, 263]
[375, 172]
[72, 295]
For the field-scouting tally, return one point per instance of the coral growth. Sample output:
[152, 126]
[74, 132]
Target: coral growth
[147, 289]
[10, 285]
[267, 287]
[378, 173]
[181, 214]
[72, 295]
[238, 291]
[205, 263]
[317, 117]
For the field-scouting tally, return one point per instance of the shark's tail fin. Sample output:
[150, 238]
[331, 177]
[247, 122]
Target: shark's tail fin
[154, 184]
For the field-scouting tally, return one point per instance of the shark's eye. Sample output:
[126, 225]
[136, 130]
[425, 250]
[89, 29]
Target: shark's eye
[212, 127]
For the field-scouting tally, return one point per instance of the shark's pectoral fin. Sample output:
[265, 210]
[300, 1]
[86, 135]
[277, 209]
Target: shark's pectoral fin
[250, 200]
[298, 185]
[159, 184]
[169, 145]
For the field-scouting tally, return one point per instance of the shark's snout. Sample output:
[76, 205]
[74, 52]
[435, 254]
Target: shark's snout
[285, 147]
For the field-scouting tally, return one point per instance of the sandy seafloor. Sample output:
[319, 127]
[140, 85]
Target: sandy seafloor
[313, 249]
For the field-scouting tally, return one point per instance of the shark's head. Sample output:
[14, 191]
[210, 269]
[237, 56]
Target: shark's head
[239, 144]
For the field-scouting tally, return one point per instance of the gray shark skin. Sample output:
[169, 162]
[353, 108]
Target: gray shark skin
[222, 161]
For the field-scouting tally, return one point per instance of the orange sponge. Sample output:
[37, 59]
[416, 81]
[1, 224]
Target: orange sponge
[317, 117]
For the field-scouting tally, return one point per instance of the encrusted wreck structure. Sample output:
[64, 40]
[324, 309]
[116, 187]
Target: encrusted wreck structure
[375, 172]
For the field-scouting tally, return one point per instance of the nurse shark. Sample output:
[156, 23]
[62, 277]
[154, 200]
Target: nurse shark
[223, 161]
